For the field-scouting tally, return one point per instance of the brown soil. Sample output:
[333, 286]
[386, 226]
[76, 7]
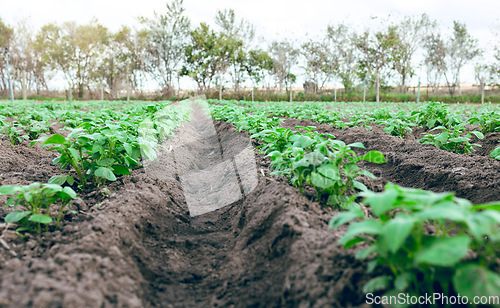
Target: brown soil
[472, 176]
[140, 247]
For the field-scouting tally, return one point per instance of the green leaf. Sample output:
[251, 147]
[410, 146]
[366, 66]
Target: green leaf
[105, 162]
[367, 174]
[128, 148]
[495, 153]
[303, 142]
[374, 157]
[381, 202]
[395, 232]
[321, 181]
[58, 179]
[120, 170]
[488, 206]
[40, 218]
[315, 158]
[55, 139]
[97, 148]
[403, 281]
[365, 253]
[345, 217]
[444, 211]
[10, 189]
[330, 171]
[16, 216]
[359, 185]
[353, 242]
[75, 154]
[474, 280]
[479, 135]
[356, 145]
[444, 251]
[442, 137]
[70, 192]
[377, 283]
[364, 227]
[106, 173]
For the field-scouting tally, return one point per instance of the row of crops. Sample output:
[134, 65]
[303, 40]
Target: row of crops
[416, 241]
[396, 235]
[102, 143]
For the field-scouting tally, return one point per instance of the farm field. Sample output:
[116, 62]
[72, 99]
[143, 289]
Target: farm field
[136, 207]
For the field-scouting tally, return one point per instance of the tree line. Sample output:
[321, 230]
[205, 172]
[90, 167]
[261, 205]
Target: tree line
[167, 48]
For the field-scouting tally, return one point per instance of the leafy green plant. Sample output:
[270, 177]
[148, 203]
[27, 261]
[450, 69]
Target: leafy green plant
[397, 127]
[428, 242]
[434, 114]
[452, 140]
[36, 199]
[96, 157]
[13, 134]
[489, 121]
[36, 129]
[329, 165]
[332, 170]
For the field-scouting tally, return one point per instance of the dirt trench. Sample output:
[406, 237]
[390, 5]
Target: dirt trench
[141, 247]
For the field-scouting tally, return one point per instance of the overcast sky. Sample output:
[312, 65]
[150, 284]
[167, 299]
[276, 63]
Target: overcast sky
[273, 19]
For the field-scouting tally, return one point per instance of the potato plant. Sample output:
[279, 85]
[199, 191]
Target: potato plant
[329, 165]
[36, 200]
[453, 140]
[95, 157]
[489, 121]
[426, 241]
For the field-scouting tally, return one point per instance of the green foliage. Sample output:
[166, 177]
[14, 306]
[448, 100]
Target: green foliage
[489, 121]
[329, 165]
[397, 127]
[495, 153]
[424, 239]
[452, 140]
[434, 114]
[100, 154]
[208, 54]
[36, 199]
[13, 134]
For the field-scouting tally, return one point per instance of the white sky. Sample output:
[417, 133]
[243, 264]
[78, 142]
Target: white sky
[274, 19]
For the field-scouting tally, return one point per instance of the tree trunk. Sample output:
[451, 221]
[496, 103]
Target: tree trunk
[377, 86]
[80, 90]
[482, 91]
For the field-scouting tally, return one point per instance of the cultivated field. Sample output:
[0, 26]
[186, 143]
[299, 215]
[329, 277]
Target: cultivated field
[237, 204]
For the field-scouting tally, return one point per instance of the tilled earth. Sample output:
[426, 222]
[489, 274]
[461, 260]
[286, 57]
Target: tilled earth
[138, 245]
